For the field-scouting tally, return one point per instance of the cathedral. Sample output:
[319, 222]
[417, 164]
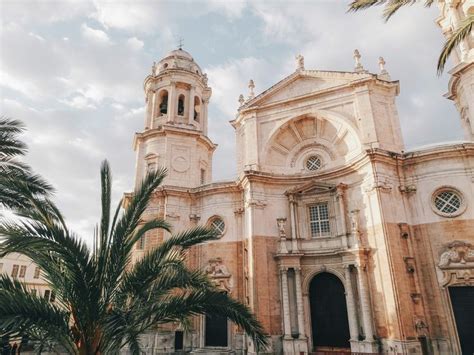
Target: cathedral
[336, 237]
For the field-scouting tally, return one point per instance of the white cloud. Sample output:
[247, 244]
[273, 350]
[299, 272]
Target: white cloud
[79, 102]
[139, 16]
[135, 44]
[94, 35]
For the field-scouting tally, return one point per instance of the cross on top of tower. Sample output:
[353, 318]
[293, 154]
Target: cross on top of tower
[180, 43]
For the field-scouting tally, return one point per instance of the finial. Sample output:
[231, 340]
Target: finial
[241, 99]
[299, 62]
[382, 66]
[153, 69]
[358, 66]
[251, 87]
[383, 72]
[180, 44]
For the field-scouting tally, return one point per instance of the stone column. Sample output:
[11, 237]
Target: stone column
[342, 212]
[351, 308]
[172, 103]
[285, 302]
[365, 303]
[203, 117]
[294, 236]
[150, 102]
[299, 303]
[191, 106]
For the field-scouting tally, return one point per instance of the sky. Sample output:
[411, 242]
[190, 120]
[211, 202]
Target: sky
[73, 72]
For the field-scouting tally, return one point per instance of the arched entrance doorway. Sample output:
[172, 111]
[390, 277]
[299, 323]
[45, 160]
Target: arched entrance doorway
[330, 326]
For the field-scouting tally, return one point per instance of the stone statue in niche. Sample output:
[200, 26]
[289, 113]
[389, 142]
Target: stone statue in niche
[281, 223]
[219, 274]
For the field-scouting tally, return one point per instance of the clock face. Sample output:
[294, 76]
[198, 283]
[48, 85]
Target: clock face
[180, 164]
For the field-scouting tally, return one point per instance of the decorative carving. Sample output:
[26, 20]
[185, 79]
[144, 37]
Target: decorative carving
[251, 87]
[194, 217]
[456, 264]
[205, 79]
[409, 264]
[358, 67]
[299, 62]
[458, 255]
[219, 274]
[255, 203]
[241, 100]
[404, 230]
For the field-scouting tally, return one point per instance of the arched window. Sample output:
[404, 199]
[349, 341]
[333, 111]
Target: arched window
[197, 108]
[163, 102]
[181, 105]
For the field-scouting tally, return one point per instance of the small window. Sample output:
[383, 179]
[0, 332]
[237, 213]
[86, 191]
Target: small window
[52, 297]
[313, 163]
[22, 270]
[218, 225]
[15, 270]
[165, 65]
[448, 202]
[37, 273]
[203, 176]
[319, 220]
[47, 294]
[181, 105]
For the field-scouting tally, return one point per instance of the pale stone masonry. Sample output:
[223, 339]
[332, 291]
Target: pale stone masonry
[334, 235]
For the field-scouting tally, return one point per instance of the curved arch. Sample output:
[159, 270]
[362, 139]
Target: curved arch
[322, 269]
[331, 132]
[330, 116]
[163, 102]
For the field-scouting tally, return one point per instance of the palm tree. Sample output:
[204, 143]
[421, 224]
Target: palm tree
[392, 6]
[104, 301]
[17, 182]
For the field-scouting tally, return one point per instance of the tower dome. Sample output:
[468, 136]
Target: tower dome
[178, 59]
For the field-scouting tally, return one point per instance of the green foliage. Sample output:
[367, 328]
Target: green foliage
[104, 301]
[18, 185]
[392, 6]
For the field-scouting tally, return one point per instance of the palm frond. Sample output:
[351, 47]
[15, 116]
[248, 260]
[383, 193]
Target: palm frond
[23, 313]
[461, 33]
[206, 301]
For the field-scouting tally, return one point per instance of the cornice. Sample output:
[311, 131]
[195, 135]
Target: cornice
[456, 73]
[167, 129]
[248, 108]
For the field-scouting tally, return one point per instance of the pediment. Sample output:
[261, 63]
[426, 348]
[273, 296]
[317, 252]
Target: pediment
[300, 84]
[312, 187]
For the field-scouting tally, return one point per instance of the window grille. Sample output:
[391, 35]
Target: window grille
[319, 219]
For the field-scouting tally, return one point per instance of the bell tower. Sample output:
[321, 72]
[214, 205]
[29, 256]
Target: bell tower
[175, 132]
[461, 84]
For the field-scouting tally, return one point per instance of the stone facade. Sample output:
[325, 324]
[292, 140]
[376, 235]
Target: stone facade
[325, 193]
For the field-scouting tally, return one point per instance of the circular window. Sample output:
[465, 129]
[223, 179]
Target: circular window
[313, 163]
[448, 202]
[218, 225]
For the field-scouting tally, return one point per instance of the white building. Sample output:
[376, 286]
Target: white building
[335, 236]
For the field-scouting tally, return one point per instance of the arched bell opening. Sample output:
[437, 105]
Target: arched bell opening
[181, 105]
[329, 320]
[163, 102]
